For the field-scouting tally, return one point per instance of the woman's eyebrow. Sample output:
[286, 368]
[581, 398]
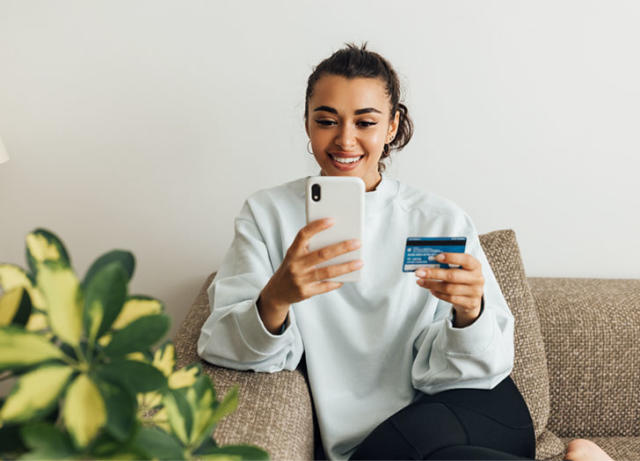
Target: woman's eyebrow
[366, 110]
[326, 109]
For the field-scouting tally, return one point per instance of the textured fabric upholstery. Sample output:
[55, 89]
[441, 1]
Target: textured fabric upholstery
[576, 364]
[591, 329]
[530, 364]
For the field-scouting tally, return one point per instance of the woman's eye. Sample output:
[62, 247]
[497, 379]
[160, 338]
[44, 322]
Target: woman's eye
[325, 122]
[366, 124]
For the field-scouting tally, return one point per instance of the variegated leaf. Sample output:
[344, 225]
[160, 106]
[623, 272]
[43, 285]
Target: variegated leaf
[154, 443]
[50, 264]
[15, 307]
[179, 413]
[139, 335]
[43, 246]
[121, 408]
[126, 259]
[207, 411]
[46, 439]
[135, 307]
[84, 410]
[37, 322]
[164, 358]
[63, 296]
[227, 406]
[21, 349]
[184, 377]
[133, 375]
[35, 393]
[202, 401]
[12, 276]
[104, 296]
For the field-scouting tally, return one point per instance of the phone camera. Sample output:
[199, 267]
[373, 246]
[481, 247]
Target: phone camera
[315, 192]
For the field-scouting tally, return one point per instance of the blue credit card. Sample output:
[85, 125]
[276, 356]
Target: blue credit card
[421, 251]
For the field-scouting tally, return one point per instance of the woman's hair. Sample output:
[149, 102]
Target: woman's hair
[354, 61]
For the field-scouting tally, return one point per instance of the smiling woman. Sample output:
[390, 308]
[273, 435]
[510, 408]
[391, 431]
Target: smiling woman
[353, 114]
[350, 126]
[400, 365]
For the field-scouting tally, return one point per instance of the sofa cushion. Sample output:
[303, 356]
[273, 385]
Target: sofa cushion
[530, 364]
[591, 328]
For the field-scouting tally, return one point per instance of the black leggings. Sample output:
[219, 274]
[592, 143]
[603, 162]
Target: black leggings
[456, 424]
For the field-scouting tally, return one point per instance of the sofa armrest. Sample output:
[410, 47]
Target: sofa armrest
[591, 330]
[274, 409]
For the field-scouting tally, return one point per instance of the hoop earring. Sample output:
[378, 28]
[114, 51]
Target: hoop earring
[309, 147]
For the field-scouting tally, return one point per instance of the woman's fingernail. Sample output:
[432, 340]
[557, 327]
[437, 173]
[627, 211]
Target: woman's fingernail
[440, 257]
[355, 243]
[357, 264]
[421, 273]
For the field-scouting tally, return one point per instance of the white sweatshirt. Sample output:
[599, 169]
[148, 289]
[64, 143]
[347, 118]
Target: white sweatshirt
[370, 346]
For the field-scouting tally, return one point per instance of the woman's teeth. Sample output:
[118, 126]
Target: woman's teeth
[346, 159]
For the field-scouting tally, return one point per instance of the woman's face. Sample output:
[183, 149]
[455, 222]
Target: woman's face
[348, 124]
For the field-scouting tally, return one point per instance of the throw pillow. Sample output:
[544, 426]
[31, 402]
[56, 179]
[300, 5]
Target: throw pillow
[530, 364]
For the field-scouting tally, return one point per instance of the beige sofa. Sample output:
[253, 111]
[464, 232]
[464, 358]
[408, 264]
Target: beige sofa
[577, 365]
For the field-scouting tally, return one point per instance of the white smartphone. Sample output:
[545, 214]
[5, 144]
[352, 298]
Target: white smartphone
[340, 198]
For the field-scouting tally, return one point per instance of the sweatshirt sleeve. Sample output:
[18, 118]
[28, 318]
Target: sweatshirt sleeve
[233, 336]
[478, 356]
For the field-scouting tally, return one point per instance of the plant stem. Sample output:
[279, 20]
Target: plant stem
[80, 355]
[6, 375]
[90, 352]
[69, 362]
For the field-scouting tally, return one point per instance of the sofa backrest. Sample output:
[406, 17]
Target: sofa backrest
[591, 330]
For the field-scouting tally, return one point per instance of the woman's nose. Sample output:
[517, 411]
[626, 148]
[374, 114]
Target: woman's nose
[346, 137]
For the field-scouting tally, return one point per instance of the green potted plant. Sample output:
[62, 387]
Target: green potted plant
[87, 382]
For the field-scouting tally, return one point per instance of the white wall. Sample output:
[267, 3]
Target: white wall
[145, 124]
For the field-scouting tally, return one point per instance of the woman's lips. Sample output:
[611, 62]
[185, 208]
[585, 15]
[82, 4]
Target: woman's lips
[345, 166]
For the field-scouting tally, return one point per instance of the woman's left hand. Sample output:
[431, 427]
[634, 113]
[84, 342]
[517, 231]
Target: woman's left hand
[462, 287]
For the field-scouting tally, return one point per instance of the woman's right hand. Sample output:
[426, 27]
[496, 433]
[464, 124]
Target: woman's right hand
[298, 278]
